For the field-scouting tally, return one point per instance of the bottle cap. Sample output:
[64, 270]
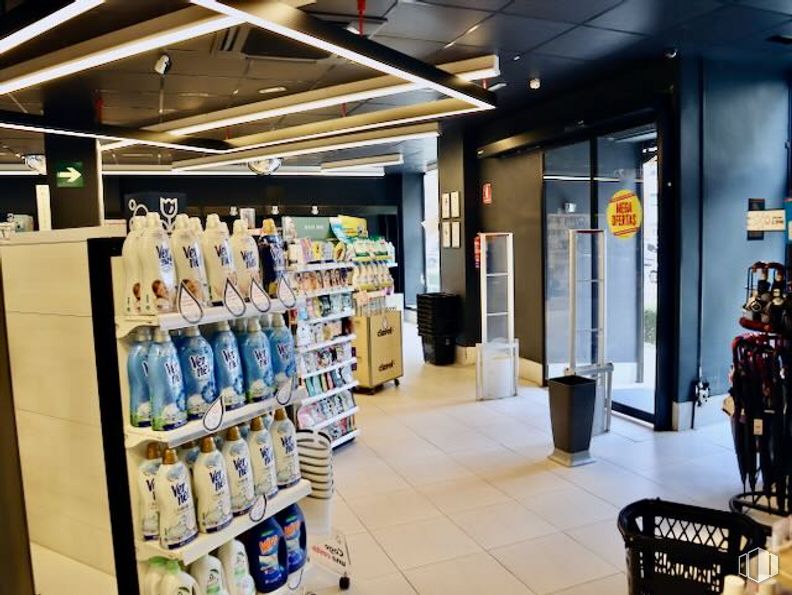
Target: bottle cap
[152, 451]
[256, 424]
[207, 444]
[240, 226]
[182, 221]
[277, 321]
[169, 457]
[253, 325]
[137, 223]
[195, 224]
[233, 434]
[265, 321]
[172, 566]
[153, 220]
[280, 414]
[161, 336]
[223, 326]
[142, 335]
[192, 331]
[212, 220]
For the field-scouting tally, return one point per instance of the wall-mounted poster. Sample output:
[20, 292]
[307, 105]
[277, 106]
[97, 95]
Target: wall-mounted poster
[455, 233]
[445, 207]
[455, 205]
[446, 234]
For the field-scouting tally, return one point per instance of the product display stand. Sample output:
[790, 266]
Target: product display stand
[325, 356]
[498, 353]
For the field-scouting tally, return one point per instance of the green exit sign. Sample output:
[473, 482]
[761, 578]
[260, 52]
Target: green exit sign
[69, 174]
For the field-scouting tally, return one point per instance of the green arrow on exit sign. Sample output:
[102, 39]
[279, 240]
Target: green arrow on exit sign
[70, 175]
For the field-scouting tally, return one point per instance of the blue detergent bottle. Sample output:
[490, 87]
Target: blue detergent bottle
[197, 362]
[292, 523]
[268, 556]
[228, 367]
[137, 370]
[166, 384]
[257, 363]
[284, 365]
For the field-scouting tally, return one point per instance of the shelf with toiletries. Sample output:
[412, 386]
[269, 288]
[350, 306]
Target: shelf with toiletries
[206, 543]
[305, 400]
[343, 439]
[323, 344]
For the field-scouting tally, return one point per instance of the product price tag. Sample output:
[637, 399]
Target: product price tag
[259, 298]
[232, 299]
[286, 294]
[213, 418]
[259, 509]
[284, 394]
[189, 307]
[295, 580]
[758, 427]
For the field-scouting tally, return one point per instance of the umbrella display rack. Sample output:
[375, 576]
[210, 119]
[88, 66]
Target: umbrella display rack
[759, 404]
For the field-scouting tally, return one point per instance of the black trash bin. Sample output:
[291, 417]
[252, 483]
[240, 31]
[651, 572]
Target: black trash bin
[572, 401]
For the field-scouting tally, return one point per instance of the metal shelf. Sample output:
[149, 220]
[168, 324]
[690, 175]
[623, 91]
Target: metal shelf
[336, 366]
[174, 320]
[194, 430]
[330, 343]
[345, 438]
[208, 542]
[319, 266]
[330, 393]
[332, 420]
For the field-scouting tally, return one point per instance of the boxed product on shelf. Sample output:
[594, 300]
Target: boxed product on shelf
[319, 359]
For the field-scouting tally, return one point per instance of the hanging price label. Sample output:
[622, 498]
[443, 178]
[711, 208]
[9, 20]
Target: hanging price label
[259, 509]
[284, 394]
[189, 307]
[213, 418]
[286, 294]
[259, 298]
[232, 299]
[758, 427]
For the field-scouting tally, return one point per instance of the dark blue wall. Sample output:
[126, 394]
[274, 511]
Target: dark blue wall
[745, 112]
[413, 238]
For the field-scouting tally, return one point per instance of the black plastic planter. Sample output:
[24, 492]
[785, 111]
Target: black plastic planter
[572, 401]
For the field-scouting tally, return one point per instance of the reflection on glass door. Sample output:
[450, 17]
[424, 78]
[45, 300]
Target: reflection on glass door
[627, 161]
[431, 224]
[579, 182]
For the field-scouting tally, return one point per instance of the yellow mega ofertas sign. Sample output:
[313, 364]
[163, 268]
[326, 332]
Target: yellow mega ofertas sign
[625, 214]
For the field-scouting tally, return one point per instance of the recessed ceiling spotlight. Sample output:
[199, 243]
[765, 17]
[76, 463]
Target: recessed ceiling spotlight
[535, 83]
[473, 28]
[270, 90]
[352, 29]
[314, 210]
[275, 210]
[517, 57]
[498, 86]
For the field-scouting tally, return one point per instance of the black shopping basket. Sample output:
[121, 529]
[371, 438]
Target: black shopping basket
[681, 549]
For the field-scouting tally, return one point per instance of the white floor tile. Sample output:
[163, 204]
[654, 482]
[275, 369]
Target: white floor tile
[425, 542]
[471, 575]
[344, 519]
[570, 508]
[552, 563]
[613, 585]
[462, 494]
[529, 480]
[369, 560]
[501, 524]
[393, 584]
[369, 479]
[604, 539]
[431, 470]
[392, 508]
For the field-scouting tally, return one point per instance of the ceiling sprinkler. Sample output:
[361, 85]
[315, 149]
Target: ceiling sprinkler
[36, 162]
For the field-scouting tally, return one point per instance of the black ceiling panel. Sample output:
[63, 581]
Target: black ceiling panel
[374, 8]
[652, 16]
[730, 24]
[510, 32]
[569, 11]
[417, 48]
[784, 6]
[479, 4]
[588, 43]
[432, 23]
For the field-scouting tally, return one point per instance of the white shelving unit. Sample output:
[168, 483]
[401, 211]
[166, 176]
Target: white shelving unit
[337, 366]
[208, 542]
[345, 438]
[319, 266]
[328, 318]
[331, 393]
[335, 418]
[323, 344]
[323, 292]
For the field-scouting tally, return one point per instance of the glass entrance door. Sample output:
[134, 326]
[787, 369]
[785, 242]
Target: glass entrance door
[580, 182]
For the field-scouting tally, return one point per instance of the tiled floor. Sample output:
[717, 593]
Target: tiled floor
[444, 494]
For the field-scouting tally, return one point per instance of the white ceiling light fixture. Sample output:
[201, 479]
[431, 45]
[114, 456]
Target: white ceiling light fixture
[41, 26]
[170, 29]
[498, 86]
[372, 161]
[270, 90]
[263, 15]
[473, 69]
[535, 83]
[348, 141]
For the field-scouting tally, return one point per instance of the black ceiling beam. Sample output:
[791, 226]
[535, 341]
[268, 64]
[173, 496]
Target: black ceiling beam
[60, 125]
[26, 14]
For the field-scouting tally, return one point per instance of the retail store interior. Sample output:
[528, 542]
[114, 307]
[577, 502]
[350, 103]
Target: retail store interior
[395, 297]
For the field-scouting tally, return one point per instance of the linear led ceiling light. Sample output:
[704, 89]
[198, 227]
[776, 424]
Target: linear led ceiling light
[378, 161]
[381, 136]
[295, 24]
[383, 86]
[172, 28]
[52, 20]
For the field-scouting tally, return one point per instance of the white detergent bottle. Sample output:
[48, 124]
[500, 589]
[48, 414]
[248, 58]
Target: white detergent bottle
[177, 582]
[208, 573]
[246, 257]
[284, 441]
[147, 473]
[157, 269]
[237, 570]
[190, 268]
[130, 254]
[154, 575]
[262, 456]
[218, 257]
[212, 493]
[240, 472]
[172, 486]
